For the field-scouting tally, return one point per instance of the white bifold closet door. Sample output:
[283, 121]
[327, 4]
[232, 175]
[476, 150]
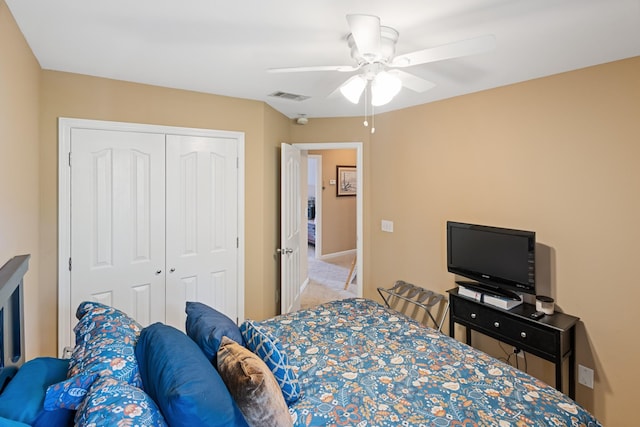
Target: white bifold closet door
[118, 221]
[153, 223]
[202, 224]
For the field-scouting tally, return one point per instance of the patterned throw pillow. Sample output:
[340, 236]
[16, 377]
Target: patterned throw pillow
[111, 402]
[252, 385]
[68, 394]
[269, 349]
[105, 346]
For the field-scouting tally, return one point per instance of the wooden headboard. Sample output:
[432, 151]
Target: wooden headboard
[12, 317]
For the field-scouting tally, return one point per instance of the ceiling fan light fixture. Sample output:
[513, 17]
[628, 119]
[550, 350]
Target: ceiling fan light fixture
[352, 89]
[384, 87]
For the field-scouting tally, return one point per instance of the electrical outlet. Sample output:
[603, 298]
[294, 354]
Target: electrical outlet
[387, 226]
[66, 352]
[585, 376]
[518, 352]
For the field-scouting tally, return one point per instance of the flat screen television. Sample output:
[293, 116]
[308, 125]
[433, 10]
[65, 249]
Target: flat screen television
[498, 261]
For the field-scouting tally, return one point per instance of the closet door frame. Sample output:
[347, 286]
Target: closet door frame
[64, 209]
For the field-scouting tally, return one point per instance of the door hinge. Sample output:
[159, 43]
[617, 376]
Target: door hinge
[69, 158]
[69, 263]
[237, 162]
[237, 242]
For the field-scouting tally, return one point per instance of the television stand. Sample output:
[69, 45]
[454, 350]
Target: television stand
[551, 338]
[489, 290]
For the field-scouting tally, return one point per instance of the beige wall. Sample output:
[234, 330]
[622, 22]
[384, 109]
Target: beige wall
[557, 155]
[19, 97]
[338, 213]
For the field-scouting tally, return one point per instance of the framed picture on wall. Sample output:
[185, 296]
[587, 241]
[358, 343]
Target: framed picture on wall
[347, 182]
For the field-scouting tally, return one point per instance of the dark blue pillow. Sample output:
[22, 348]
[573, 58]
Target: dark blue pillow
[206, 326]
[180, 379]
[23, 399]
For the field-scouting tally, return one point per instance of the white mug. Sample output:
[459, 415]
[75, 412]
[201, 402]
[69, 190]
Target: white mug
[544, 304]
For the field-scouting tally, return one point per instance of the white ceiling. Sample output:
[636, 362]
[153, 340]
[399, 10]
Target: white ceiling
[225, 47]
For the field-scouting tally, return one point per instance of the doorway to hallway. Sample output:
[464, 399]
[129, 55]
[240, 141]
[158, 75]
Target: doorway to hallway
[328, 279]
[348, 228]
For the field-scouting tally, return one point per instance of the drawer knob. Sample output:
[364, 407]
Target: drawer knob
[523, 334]
[496, 324]
[473, 315]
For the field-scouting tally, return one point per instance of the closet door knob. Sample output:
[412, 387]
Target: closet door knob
[172, 270]
[158, 272]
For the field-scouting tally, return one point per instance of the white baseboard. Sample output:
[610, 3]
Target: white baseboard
[338, 254]
[304, 285]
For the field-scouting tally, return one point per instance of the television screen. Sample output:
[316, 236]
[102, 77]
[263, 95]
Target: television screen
[497, 258]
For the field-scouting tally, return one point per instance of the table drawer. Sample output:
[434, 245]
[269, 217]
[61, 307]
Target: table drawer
[503, 326]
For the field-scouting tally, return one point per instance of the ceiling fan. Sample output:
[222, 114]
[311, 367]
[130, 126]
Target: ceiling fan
[373, 48]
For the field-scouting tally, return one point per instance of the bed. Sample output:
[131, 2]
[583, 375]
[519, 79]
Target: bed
[362, 364]
[353, 362]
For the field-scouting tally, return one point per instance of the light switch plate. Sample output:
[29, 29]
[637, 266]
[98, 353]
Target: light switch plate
[387, 226]
[585, 376]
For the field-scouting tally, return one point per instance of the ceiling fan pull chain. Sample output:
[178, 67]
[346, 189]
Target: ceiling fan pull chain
[366, 103]
[373, 119]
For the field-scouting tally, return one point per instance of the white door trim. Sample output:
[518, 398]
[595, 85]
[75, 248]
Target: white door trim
[358, 146]
[64, 212]
[318, 184]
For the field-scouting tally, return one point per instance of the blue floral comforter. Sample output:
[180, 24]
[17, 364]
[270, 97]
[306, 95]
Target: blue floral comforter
[361, 364]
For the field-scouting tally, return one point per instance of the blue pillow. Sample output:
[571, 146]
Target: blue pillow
[260, 341]
[111, 402]
[206, 326]
[105, 341]
[180, 379]
[23, 398]
[99, 320]
[69, 393]
[6, 422]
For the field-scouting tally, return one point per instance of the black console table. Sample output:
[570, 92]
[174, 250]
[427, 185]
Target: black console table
[551, 337]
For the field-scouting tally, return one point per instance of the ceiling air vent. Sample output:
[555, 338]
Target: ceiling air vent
[289, 96]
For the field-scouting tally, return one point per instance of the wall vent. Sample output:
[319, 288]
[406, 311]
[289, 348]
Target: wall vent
[289, 96]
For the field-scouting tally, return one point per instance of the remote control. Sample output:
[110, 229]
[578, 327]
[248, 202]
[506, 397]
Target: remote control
[537, 315]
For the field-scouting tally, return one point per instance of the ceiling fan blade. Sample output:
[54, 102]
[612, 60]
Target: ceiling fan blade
[336, 92]
[341, 68]
[473, 46]
[366, 34]
[413, 82]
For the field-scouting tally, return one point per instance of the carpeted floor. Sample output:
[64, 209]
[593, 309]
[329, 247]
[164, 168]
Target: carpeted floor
[326, 280]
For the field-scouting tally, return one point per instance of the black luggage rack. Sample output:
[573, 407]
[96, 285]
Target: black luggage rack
[418, 298]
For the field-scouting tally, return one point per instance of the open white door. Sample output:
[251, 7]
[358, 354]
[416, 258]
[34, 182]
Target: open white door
[290, 228]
